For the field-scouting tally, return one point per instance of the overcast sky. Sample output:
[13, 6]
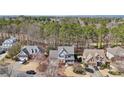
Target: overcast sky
[61, 7]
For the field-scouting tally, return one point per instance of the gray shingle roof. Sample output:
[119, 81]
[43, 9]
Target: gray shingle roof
[53, 54]
[31, 49]
[93, 52]
[10, 40]
[116, 51]
[69, 49]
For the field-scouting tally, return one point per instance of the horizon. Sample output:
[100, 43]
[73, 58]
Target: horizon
[85, 16]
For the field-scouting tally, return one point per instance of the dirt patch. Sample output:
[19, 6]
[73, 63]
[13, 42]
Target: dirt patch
[69, 72]
[29, 66]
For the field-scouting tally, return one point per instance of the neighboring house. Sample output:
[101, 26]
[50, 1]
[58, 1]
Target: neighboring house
[8, 43]
[94, 56]
[28, 52]
[22, 57]
[2, 50]
[115, 53]
[66, 54]
[63, 54]
[53, 54]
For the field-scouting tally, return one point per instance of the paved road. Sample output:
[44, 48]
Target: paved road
[96, 73]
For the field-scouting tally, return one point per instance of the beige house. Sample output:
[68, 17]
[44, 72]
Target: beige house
[94, 56]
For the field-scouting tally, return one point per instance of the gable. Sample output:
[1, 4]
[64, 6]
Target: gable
[31, 50]
[69, 49]
[22, 54]
[63, 52]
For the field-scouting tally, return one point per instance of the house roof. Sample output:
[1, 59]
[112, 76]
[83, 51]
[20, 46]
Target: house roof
[117, 51]
[89, 53]
[28, 49]
[53, 54]
[22, 54]
[67, 49]
[11, 40]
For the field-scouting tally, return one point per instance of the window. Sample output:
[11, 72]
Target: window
[35, 50]
[32, 50]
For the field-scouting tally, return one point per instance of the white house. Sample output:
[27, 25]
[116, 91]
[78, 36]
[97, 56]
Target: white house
[28, 52]
[8, 43]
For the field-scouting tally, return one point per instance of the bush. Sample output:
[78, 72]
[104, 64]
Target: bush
[42, 67]
[85, 64]
[8, 56]
[15, 58]
[103, 66]
[114, 73]
[79, 69]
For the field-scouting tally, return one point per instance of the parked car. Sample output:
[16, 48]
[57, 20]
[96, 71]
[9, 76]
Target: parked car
[89, 70]
[2, 51]
[31, 72]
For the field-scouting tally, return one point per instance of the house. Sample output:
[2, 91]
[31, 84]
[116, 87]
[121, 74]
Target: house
[115, 53]
[28, 52]
[8, 43]
[53, 54]
[66, 54]
[94, 56]
[22, 57]
[2, 50]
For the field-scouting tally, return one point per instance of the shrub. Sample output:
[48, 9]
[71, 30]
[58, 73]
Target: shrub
[103, 66]
[78, 69]
[85, 64]
[114, 73]
[42, 67]
[8, 56]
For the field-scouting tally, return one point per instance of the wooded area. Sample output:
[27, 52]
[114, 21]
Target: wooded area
[84, 32]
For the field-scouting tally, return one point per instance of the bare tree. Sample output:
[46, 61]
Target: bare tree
[52, 70]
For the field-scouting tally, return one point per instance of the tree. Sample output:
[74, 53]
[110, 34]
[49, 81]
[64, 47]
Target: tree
[14, 50]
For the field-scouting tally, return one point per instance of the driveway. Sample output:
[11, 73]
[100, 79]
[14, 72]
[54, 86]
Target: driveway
[96, 73]
[3, 56]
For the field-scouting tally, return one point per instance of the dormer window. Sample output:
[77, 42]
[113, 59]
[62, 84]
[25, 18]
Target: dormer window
[32, 50]
[35, 50]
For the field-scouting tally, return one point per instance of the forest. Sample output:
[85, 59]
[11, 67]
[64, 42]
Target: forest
[82, 32]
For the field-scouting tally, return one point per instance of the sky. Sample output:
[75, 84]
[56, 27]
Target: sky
[61, 7]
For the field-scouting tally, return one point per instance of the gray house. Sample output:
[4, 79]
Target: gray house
[8, 43]
[115, 53]
[66, 54]
[28, 52]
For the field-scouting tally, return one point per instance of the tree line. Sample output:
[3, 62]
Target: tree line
[84, 32]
